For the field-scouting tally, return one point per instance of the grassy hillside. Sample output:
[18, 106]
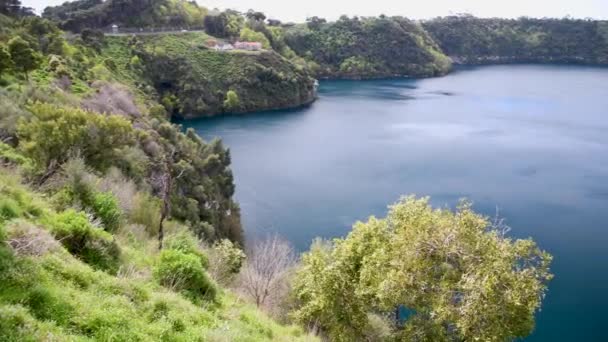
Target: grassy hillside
[49, 293]
[94, 179]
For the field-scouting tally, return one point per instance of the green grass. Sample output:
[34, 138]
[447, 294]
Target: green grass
[57, 295]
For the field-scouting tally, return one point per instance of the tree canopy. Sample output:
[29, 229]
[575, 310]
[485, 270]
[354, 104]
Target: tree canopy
[458, 275]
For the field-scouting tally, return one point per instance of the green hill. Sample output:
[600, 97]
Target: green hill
[470, 40]
[368, 47]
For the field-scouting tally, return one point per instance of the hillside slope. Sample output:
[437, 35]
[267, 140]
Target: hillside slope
[193, 80]
[51, 291]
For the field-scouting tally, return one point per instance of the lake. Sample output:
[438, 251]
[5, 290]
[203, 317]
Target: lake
[529, 140]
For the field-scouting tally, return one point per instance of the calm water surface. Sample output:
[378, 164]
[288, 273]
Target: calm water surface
[530, 140]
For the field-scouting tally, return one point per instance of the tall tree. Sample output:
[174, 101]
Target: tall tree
[22, 55]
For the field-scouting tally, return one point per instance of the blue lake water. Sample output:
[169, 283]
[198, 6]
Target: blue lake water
[531, 141]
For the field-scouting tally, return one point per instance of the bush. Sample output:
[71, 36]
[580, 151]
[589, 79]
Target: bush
[146, 212]
[105, 206]
[54, 132]
[232, 101]
[9, 209]
[225, 261]
[183, 241]
[92, 245]
[184, 272]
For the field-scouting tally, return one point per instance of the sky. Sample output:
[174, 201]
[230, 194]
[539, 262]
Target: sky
[298, 11]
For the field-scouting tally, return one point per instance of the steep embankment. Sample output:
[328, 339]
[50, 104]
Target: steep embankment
[192, 80]
[368, 48]
[470, 40]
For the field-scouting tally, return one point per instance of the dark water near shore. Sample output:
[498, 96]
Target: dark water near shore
[530, 140]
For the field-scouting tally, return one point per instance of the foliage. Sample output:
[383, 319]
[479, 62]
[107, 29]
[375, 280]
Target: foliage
[82, 14]
[23, 56]
[105, 207]
[146, 212]
[225, 261]
[92, 245]
[54, 132]
[368, 47]
[444, 267]
[232, 100]
[183, 241]
[93, 38]
[5, 60]
[248, 35]
[184, 272]
[478, 40]
[195, 81]
[226, 24]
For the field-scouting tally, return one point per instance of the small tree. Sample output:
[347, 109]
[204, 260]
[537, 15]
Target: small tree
[268, 263]
[22, 55]
[232, 101]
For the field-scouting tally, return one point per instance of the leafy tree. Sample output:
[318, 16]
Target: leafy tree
[255, 16]
[93, 38]
[54, 132]
[22, 55]
[458, 275]
[232, 100]
[314, 23]
[5, 60]
[250, 35]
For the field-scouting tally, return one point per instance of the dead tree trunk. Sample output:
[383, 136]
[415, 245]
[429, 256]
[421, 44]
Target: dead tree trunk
[166, 205]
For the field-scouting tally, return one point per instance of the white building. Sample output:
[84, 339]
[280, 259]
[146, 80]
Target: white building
[223, 47]
[250, 46]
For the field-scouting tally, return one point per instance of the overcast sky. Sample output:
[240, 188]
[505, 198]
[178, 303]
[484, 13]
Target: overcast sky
[289, 10]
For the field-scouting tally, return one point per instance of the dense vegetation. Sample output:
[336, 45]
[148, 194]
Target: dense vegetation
[78, 15]
[192, 80]
[368, 47]
[473, 40]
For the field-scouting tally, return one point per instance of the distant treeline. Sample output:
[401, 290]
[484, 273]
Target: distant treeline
[473, 40]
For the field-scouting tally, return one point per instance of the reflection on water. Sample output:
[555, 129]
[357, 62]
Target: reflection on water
[530, 140]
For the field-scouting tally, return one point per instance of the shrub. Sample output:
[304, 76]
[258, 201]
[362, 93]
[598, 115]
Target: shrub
[225, 261]
[105, 206]
[185, 242]
[232, 101]
[92, 245]
[146, 212]
[184, 272]
[9, 209]
[55, 131]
